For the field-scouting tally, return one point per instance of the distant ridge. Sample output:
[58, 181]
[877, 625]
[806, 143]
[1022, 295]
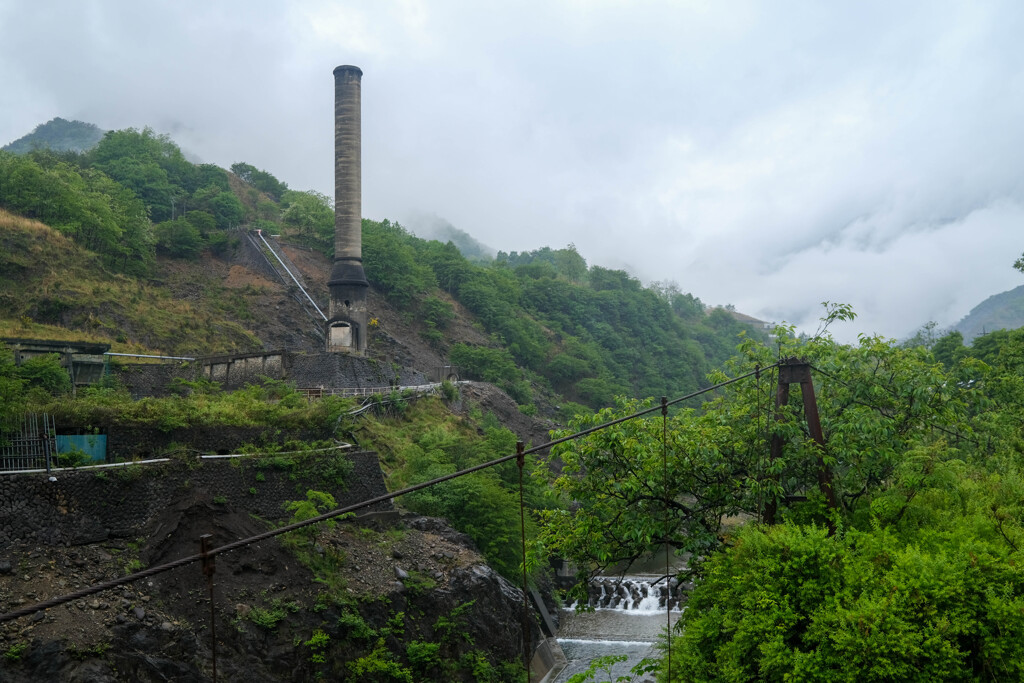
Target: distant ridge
[437, 228]
[59, 135]
[1003, 311]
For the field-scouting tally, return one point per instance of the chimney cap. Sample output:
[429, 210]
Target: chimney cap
[348, 67]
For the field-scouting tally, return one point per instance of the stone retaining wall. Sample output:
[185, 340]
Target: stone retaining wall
[89, 505]
[131, 443]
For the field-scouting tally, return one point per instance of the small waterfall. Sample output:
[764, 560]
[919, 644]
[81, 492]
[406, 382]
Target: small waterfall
[628, 617]
[634, 594]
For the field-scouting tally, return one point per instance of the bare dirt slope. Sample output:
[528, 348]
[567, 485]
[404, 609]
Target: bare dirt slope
[396, 335]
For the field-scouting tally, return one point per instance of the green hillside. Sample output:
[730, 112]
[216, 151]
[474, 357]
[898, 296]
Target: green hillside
[53, 288]
[1004, 311]
[133, 204]
[58, 135]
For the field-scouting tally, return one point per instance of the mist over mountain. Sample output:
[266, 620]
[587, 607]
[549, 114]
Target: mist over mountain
[1003, 311]
[433, 227]
[59, 135]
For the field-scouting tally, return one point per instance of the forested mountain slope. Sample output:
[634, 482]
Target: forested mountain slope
[1003, 311]
[145, 227]
[58, 135]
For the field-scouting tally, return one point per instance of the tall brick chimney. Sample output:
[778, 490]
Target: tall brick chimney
[347, 318]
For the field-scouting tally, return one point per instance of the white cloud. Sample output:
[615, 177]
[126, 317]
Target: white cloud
[769, 155]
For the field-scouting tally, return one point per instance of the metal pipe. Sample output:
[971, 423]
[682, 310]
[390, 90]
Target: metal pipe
[143, 355]
[290, 274]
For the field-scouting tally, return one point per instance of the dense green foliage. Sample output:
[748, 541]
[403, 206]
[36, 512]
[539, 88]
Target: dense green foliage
[913, 575]
[83, 203]
[40, 378]
[262, 180]
[310, 218]
[938, 598]
[589, 333]
[37, 387]
[108, 198]
[425, 441]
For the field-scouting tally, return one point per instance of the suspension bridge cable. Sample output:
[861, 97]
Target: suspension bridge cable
[760, 451]
[668, 583]
[520, 461]
[234, 545]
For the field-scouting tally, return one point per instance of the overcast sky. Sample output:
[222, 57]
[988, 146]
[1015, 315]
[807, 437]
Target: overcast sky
[771, 155]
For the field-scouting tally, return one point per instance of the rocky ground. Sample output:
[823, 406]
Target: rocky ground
[265, 600]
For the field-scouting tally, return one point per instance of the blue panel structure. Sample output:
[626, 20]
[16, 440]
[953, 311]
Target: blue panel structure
[93, 445]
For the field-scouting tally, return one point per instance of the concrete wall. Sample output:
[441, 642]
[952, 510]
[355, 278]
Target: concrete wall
[241, 369]
[304, 370]
[90, 505]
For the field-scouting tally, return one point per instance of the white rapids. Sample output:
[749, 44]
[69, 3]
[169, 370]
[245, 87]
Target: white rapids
[628, 618]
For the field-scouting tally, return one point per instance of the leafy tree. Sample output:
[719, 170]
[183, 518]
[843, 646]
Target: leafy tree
[311, 215]
[201, 221]
[151, 165]
[794, 602]
[914, 575]
[211, 175]
[450, 267]
[949, 349]
[437, 312]
[226, 210]
[876, 401]
[262, 180]
[12, 404]
[490, 365]
[178, 238]
[147, 180]
[391, 262]
[45, 372]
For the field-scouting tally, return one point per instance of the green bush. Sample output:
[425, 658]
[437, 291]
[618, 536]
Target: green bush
[436, 312]
[355, 627]
[489, 365]
[15, 652]
[423, 657]
[73, 458]
[45, 372]
[794, 603]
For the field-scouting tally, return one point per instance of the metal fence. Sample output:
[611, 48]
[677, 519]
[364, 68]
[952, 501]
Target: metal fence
[320, 392]
[32, 448]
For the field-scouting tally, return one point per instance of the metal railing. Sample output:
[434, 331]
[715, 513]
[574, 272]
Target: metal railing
[259, 233]
[34, 447]
[349, 392]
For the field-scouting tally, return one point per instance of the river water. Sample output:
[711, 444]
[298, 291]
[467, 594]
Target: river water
[628, 618]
